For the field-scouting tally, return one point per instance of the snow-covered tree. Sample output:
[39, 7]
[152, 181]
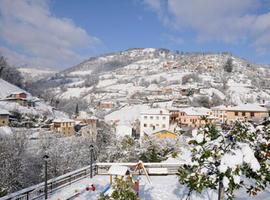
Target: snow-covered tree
[228, 160]
[12, 166]
[122, 190]
[157, 150]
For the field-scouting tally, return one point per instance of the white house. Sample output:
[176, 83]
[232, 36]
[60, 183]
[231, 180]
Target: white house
[153, 120]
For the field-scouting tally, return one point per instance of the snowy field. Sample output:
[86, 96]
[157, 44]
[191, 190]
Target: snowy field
[162, 188]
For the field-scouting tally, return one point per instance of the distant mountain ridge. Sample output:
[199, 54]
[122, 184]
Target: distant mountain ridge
[36, 73]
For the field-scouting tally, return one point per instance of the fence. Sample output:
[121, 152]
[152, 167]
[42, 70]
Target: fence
[37, 191]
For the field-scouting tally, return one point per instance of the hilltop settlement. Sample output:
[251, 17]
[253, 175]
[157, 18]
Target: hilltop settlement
[139, 104]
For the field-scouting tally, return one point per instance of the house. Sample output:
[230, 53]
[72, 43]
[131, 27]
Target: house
[85, 118]
[4, 117]
[193, 117]
[166, 91]
[106, 105]
[21, 98]
[65, 126]
[246, 112]
[219, 112]
[19, 95]
[154, 119]
[88, 132]
[189, 90]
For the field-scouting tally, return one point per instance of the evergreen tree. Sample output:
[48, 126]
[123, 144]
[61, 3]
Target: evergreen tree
[228, 67]
[122, 190]
[77, 110]
[224, 159]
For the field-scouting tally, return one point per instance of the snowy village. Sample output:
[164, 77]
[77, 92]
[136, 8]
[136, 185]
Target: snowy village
[134, 115]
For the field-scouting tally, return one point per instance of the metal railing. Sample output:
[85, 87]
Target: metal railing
[37, 191]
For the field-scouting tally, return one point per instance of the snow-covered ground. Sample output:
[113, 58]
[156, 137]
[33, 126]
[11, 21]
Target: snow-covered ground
[7, 88]
[162, 188]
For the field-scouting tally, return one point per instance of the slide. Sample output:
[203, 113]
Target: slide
[106, 190]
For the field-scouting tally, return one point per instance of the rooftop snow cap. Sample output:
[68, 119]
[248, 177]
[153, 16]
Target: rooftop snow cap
[155, 111]
[118, 170]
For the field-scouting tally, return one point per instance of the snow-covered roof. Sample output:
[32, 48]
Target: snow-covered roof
[63, 120]
[248, 107]
[118, 170]
[4, 112]
[7, 88]
[126, 115]
[200, 111]
[221, 107]
[155, 111]
[85, 115]
[122, 130]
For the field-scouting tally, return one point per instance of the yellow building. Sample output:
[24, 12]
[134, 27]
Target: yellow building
[65, 126]
[4, 117]
[164, 134]
[246, 112]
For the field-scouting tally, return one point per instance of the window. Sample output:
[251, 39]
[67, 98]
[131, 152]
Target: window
[157, 124]
[151, 117]
[243, 114]
[144, 125]
[252, 114]
[163, 126]
[236, 113]
[145, 117]
[157, 117]
[163, 118]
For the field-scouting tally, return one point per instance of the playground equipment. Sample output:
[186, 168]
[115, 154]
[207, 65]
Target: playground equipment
[91, 188]
[140, 166]
[121, 172]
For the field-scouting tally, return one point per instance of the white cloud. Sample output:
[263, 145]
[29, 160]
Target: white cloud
[38, 37]
[229, 21]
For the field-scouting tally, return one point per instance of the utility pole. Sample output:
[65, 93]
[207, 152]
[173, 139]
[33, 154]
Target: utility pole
[91, 160]
[45, 158]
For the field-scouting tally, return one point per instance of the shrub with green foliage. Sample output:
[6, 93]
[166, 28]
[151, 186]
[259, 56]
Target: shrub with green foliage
[227, 159]
[122, 190]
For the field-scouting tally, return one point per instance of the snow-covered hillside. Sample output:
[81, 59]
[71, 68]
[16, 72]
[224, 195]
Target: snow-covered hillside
[34, 74]
[156, 74]
[40, 110]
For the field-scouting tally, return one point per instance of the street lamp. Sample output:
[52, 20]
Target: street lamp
[91, 160]
[45, 158]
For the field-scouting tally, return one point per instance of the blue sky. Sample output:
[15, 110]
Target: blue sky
[61, 33]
